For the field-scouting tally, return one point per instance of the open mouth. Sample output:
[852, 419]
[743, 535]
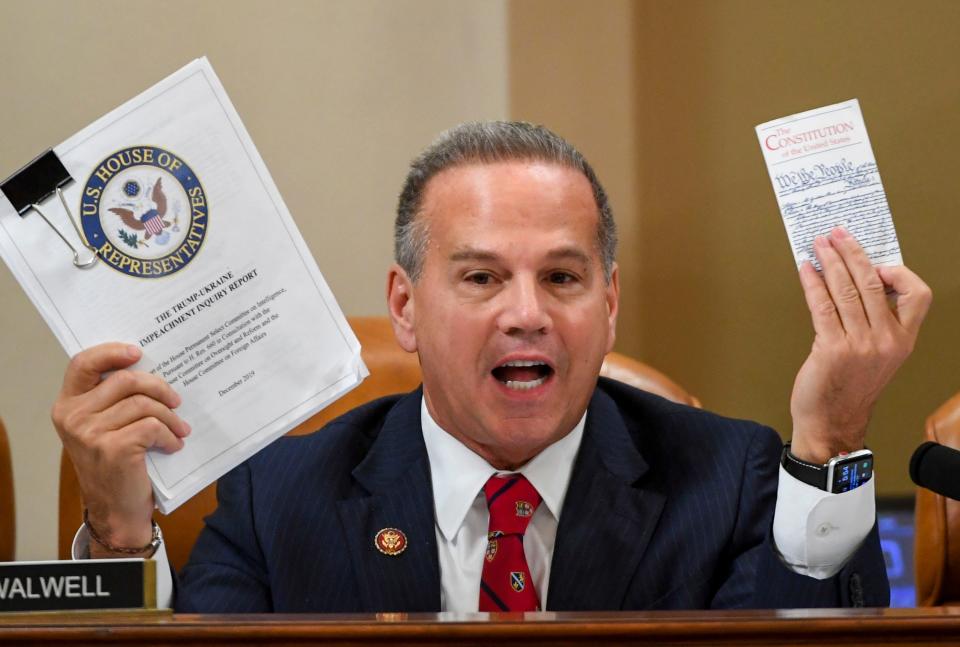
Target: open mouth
[522, 375]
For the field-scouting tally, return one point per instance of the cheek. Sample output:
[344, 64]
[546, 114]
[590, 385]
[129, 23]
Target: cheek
[454, 335]
[590, 327]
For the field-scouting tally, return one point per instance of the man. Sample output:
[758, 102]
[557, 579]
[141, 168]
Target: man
[506, 286]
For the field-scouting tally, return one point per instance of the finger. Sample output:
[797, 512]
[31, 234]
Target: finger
[137, 406]
[913, 296]
[123, 384]
[869, 285]
[841, 287]
[87, 367]
[151, 433]
[823, 312]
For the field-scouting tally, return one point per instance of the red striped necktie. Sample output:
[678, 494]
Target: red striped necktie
[505, 584]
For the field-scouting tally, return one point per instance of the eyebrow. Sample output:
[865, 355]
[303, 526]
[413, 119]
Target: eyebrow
[473, 254]
[560, 253]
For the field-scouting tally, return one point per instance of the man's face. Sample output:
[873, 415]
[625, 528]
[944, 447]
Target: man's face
[511, 315]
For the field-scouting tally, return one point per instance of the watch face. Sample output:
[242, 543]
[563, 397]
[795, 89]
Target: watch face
[850, 473]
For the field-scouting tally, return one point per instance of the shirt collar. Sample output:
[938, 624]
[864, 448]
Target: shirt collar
[458, 474]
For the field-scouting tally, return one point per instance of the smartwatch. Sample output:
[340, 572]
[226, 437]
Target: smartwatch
[842, 473]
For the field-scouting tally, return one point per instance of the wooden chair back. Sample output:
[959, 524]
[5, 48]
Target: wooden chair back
[937, 522]
[8, 519]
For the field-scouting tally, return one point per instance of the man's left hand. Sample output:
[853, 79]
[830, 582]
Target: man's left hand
[861, 340]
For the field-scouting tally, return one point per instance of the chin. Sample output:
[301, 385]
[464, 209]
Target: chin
[520, 444]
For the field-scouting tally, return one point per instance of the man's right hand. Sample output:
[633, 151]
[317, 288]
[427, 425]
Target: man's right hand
[107, 423]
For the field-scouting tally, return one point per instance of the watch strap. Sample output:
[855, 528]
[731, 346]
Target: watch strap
[809, 473]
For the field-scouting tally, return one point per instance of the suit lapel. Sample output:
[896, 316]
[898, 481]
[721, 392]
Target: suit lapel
[606, 522]
[395, 492]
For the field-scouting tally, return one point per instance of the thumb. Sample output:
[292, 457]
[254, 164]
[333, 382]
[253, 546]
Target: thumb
[911, 296]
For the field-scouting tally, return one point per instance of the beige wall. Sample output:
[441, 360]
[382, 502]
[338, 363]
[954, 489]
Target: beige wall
[338, 96]
[722, 309]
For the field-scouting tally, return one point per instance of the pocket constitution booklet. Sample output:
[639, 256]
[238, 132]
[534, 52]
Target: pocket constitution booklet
[197, 261]
[824, 174]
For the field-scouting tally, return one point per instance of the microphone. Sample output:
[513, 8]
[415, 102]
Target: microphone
[936, 468]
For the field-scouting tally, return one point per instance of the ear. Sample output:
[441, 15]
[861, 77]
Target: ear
[612, 295]
[401, 307]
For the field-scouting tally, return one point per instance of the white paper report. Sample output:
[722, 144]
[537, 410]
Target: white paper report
[200, 264]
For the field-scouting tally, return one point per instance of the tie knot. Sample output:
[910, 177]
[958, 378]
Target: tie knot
[512, 501]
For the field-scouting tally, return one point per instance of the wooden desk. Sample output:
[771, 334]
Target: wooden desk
[828, 627]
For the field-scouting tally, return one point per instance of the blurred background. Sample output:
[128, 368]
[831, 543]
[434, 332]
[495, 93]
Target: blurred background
[661, 96]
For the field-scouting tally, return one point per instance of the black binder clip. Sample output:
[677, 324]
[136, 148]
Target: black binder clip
[36, 182]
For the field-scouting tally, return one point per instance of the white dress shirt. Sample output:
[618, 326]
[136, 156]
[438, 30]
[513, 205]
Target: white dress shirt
[815, 532]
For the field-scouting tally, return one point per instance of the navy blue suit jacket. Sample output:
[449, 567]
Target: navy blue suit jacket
[668, 507]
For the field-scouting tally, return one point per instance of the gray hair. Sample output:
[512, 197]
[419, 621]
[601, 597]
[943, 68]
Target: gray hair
[490, 142]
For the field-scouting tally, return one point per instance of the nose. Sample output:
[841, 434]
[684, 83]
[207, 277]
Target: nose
[524, 308]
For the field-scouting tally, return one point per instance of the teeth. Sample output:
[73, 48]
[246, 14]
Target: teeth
[525, 386]
[522, 363]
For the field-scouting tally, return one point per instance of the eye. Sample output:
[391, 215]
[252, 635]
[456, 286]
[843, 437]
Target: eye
[479, 278]
[561, 278]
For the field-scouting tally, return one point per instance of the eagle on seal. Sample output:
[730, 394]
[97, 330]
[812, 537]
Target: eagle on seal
[151, 222]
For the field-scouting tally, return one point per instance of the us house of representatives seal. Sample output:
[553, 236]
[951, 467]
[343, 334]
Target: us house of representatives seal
[145, 212]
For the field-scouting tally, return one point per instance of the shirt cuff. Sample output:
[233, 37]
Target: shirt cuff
[81, 550]
[816, 532]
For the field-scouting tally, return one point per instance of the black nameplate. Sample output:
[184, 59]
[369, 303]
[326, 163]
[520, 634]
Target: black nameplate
[35, 181]
[73, 585]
